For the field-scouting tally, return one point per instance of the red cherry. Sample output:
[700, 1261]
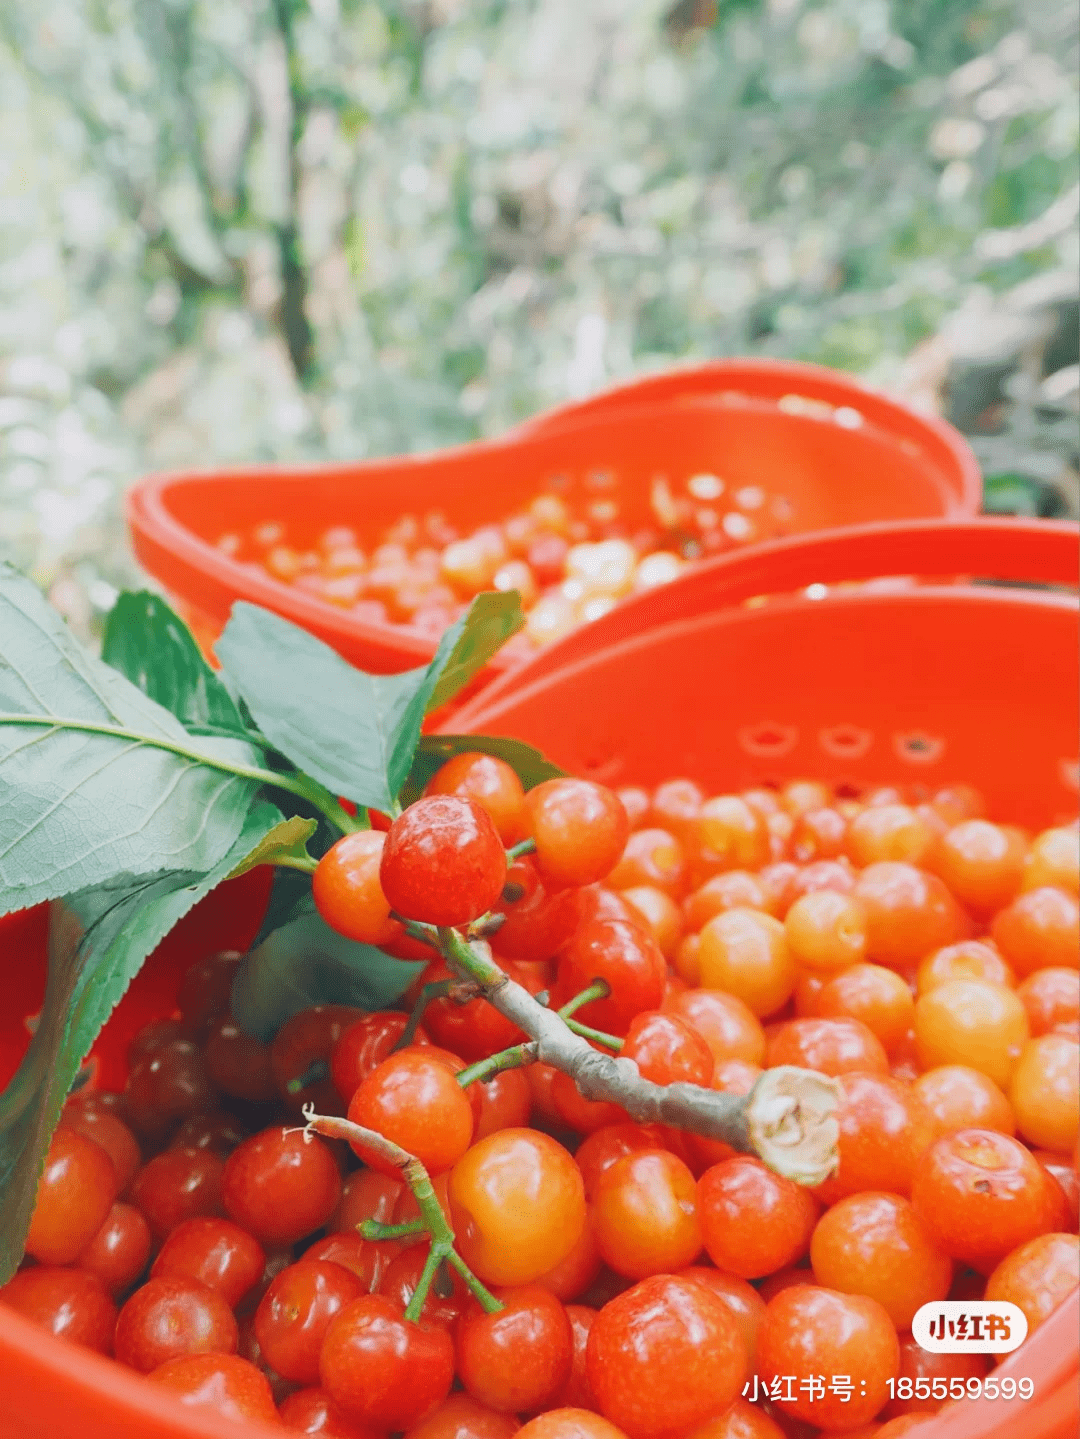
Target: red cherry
[73, 1304]
[443, 862]
[517, 1360]
[383, 1370]
[222, 1383]
[170, 1317]
[280, 1185]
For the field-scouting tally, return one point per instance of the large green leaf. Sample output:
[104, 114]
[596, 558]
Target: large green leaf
[305, 962]
[96, 778]
[99, 941]
[467, 646]
[355, 733]
[146, 641]
[433, 751]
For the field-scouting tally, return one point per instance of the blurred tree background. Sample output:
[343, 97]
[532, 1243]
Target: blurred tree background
[256, 230]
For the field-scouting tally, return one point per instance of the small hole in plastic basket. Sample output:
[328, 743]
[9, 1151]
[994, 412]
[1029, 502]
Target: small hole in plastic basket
[768, 740]
[845, 741]
[919, 748]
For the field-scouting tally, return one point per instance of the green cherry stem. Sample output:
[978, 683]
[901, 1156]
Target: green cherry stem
[609, 1041]
[432, 1218]
[516, 1057]
[525, 846]
[372, 1229]
[438, 989]
[599, 989]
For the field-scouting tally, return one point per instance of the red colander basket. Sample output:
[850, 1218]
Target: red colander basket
[838, 454]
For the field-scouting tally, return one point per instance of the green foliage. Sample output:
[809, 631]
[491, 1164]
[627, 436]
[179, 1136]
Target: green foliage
[304, 962]
[98, 946]
[96, 778]
[462, 215]
[148, 642]
[359, 739]
[117, 803]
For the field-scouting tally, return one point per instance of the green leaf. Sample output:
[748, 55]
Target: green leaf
[305, 962]
[96, 778]
[336, 723]
[286, 842]
[150, 644]
[467, 646]
[355, 733]
[98, 943]
[289, 893]
[432, 753]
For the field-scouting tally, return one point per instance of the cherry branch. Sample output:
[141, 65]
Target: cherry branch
[788, 1119]
[432, 1218]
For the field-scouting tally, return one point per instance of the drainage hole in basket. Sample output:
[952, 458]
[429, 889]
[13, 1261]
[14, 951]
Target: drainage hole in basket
[846, 741]
[918, 747]
[768, 740]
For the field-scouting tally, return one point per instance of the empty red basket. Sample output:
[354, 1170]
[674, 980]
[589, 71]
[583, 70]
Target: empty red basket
[837, 453]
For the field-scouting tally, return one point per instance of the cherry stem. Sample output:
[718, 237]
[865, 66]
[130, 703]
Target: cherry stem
[372, 1229]
[329, 805]
[415, 1306]
[788, 1119]
[525, 846]
[438, 989]
[609, 1041]
[432, 1219]
[514, 1058]
[425, 933]
[599, 989]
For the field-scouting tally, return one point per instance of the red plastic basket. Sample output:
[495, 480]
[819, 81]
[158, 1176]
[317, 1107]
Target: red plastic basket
[1018, 551]
[779, 381]
[838, 453]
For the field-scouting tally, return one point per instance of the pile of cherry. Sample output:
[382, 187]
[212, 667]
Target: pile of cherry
[570, 558]
[653, 1283]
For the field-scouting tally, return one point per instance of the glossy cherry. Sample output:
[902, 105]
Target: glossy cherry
[214, 1252]
[383, 1370]
[178, 1185]
[664, 1356]
[518, 1206]
[580, 829]
[167, 1317]
[443, 862]
[280, 1185]
[73, 1304]
[413, 1099]
[347, 891]
[295, 1313]
[118, 1252]
[809, 1332]
[75, 1193]
[223, 1383]
[516, 1360]
[753, 1221]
